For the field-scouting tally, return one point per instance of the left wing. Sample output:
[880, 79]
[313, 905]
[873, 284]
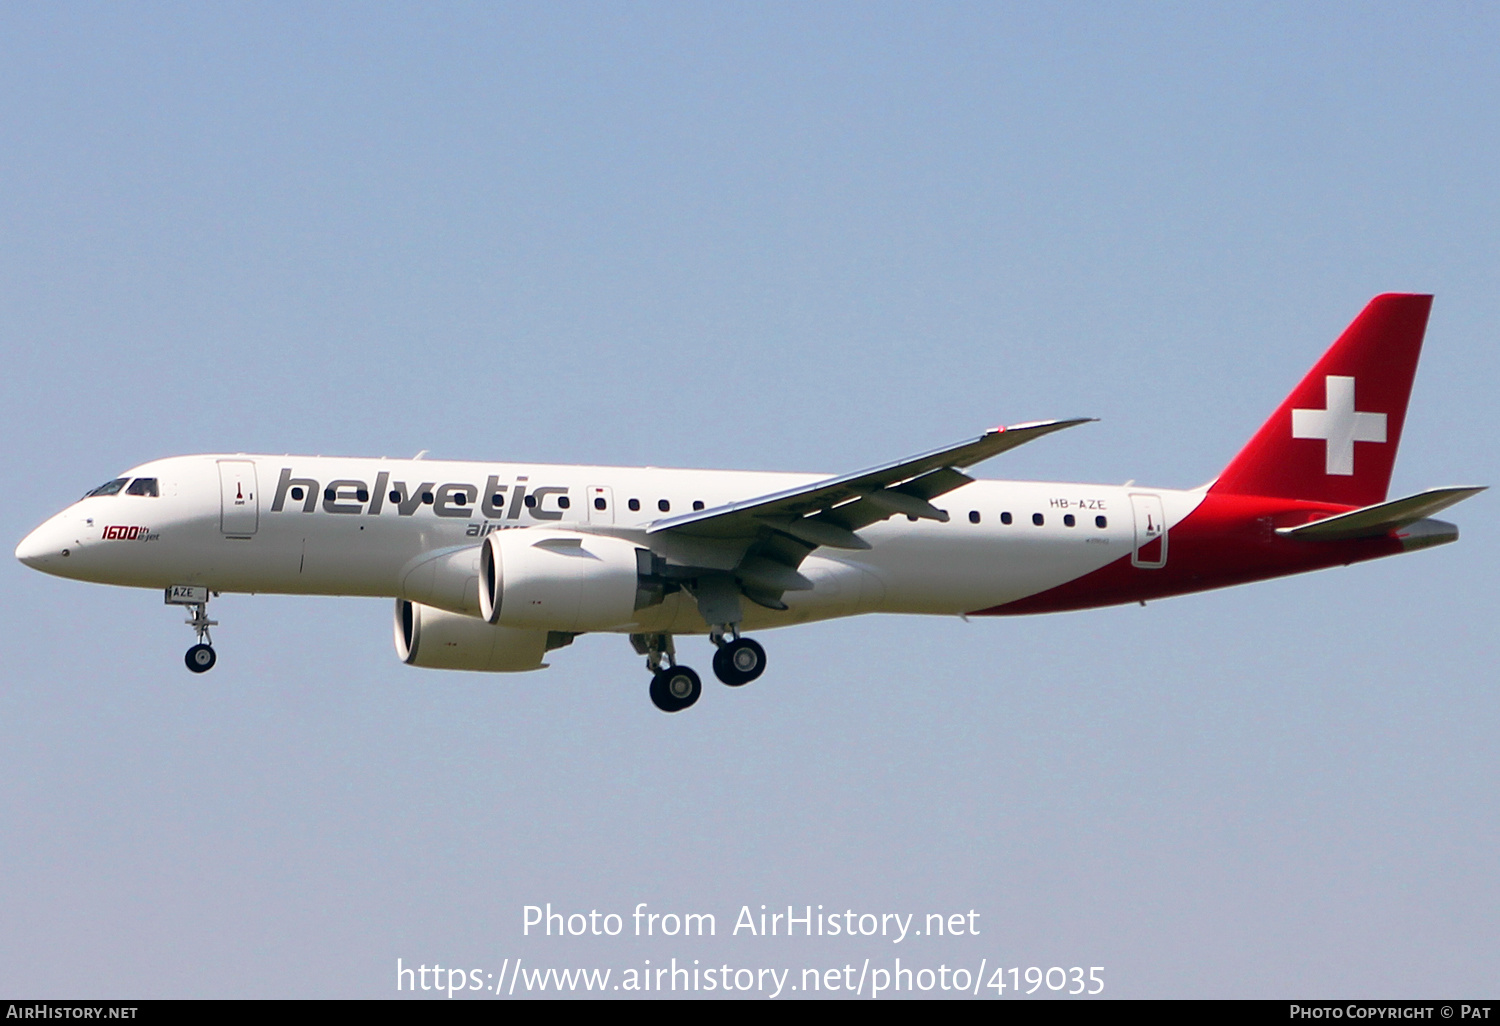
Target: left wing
[829, 512]
[762, 541]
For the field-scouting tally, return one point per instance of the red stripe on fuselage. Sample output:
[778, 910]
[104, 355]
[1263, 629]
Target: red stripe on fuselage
[1227, 539]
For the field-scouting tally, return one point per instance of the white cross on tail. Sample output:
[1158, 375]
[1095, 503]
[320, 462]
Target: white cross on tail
[1340, 425]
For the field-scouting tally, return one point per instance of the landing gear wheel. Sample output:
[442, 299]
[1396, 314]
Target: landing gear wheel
[200, 658]
[675, 688]
[739, 662]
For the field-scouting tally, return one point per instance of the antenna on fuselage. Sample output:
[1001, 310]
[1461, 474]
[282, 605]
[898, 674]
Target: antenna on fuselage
[419, 455]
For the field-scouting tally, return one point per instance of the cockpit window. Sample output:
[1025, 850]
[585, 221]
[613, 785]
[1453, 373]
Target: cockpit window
[108, 488]
[143, 486]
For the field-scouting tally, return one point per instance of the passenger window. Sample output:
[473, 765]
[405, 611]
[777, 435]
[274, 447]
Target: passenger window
[297, 494]
[973, 516]
[599, 503]
[427, 498]
[1038, 519]
[664, 505]
[362, 495]
[697, 504]
[635, 505]
[143, 486]
[1068, 520]
[530, 501]
[1101, 521]
[1005, 518]
[108, 488]
[460, 498]
[563, 502]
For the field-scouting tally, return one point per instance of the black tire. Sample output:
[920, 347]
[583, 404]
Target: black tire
[675, 688]
[200, 658]
[739, 662]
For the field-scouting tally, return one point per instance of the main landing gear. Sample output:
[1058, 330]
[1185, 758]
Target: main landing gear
[201, 657]
[673, 688]
[738, 661]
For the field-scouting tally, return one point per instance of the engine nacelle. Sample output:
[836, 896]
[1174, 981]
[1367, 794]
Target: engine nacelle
[440, 640]
[444, 579]
[562, 580]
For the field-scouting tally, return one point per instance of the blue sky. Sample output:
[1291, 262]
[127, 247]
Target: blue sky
[803, 237]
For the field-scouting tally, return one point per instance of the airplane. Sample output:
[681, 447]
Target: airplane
[494, 565]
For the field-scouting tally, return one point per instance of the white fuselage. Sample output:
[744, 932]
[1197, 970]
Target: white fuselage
[341, 526]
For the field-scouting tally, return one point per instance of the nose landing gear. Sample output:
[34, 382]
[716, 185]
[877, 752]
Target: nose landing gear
[201, 657]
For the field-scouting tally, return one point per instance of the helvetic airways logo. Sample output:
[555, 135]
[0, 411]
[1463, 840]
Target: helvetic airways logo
[1340, 425]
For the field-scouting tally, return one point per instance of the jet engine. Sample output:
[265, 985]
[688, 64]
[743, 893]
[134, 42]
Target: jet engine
[440, 640]
[563, 580]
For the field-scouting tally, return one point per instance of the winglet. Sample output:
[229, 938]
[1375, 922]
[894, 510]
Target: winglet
[1044, 427]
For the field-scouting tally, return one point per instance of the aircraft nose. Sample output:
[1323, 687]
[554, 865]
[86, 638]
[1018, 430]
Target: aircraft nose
[43, 548]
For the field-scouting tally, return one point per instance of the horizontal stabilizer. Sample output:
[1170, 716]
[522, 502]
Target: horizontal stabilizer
[1374, 521]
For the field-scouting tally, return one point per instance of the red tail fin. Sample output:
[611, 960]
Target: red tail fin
[1334, 438]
